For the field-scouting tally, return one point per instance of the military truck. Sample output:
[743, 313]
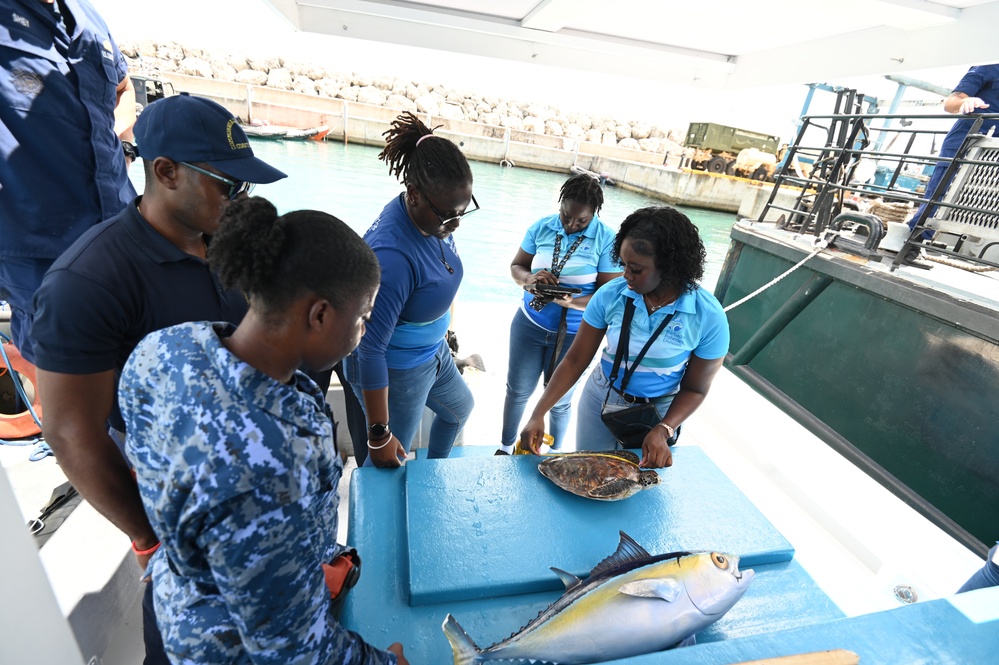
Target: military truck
[148, 89]
[717, 147]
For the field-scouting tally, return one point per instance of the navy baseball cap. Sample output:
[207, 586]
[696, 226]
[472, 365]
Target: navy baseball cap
[185, 128]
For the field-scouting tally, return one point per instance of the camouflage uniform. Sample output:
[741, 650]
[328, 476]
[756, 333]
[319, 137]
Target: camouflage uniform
[239, 479]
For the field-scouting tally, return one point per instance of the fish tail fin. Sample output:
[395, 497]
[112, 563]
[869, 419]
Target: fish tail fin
[465, 650]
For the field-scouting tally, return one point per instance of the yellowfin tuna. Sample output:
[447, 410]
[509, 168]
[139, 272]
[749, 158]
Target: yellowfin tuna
[632, 603]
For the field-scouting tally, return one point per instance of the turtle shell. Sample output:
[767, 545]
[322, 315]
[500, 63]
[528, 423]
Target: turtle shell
[609, 475]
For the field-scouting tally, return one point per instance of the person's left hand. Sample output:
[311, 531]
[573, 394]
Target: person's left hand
[969, 104]
[655, 450]
[563, 300]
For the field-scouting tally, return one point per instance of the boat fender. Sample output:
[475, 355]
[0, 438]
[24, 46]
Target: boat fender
[19, 425]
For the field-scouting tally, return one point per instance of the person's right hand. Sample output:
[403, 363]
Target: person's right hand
[542, 277]
[396, 648]
[390, 455]
[969, 104]
[533, 435]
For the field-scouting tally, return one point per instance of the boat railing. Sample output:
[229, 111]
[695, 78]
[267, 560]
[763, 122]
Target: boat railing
[828, 173]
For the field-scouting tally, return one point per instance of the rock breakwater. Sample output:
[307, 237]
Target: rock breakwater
[438, 100]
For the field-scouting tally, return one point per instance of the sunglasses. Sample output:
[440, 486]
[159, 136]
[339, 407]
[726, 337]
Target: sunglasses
[236, 187]
[454, 218]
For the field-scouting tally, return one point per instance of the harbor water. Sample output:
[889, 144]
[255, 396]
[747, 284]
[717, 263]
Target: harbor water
[351, 183]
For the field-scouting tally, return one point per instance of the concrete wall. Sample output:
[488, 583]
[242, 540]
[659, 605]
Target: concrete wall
[756, 199]
[348, 121]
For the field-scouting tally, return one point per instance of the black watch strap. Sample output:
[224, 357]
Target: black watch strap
[130, 150]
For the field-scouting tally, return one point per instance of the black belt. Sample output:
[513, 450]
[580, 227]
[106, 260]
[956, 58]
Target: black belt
[634, 399]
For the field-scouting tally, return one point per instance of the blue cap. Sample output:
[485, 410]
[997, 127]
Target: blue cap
[185, 128]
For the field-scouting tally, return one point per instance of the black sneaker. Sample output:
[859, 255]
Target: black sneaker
[500, 452]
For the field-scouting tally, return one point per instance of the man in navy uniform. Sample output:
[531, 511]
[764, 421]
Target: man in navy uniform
[65, 99]
[977, 92]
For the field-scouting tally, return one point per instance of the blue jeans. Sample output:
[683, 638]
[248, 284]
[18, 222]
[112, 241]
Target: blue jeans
[949, 148]
[531, 349]
[435, 384]
[987, 575]
[591, 433]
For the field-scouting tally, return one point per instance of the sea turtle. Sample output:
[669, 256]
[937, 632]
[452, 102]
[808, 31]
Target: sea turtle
[605, 475]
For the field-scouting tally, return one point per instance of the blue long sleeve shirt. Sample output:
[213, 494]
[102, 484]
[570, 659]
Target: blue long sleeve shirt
[412, 310]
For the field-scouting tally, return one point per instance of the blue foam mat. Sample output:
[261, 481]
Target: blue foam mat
[505, 524]
[782, 595]
[927, 632]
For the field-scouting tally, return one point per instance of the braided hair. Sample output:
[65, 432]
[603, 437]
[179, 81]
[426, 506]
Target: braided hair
[671, 239]
[276, 260]
[583, 189]
[433, 165]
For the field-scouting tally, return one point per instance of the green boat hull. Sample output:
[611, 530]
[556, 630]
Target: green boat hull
[901, 379]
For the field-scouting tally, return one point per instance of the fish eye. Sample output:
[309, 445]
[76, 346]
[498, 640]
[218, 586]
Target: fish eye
[720, 560]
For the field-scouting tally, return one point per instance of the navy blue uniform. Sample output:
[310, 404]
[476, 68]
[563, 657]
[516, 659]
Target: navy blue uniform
[119, 282]
[61, 164]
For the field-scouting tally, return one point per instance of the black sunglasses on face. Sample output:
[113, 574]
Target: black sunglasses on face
[453, 218]
[236, 187]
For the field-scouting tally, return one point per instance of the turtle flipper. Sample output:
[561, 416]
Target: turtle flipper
[619, 488]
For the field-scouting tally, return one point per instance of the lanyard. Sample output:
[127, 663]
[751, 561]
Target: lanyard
[537, 303]
[558, 264]
[622, 346]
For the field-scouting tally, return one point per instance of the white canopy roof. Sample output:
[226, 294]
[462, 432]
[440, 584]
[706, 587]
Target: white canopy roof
[713, 43]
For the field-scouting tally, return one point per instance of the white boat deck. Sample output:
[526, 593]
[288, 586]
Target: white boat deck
[979, 286]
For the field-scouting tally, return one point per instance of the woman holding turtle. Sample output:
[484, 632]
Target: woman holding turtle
[677, 338]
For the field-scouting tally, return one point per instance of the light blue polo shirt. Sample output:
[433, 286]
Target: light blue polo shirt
[699, 327]
[592, 256]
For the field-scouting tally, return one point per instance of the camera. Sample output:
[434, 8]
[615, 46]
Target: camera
[555, 290]
[545, 293]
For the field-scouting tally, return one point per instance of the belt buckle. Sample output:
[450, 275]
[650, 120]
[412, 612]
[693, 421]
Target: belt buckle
[630, 399]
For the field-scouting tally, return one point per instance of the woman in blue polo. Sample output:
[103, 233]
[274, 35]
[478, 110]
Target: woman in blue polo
[663, 259]
[571, 248]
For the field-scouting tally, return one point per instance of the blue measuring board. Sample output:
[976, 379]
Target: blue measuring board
[499, 524]
[782, 595]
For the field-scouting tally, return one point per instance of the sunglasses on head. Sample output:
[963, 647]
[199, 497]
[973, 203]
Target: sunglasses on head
[236, 187]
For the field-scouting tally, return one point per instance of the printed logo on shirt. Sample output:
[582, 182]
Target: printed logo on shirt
[27, 83]
[672, 334]
[20, 20]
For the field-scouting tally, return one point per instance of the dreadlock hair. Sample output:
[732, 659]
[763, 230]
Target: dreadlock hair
[670, 238]
[432, 165]
[583, 189]
[276, 260]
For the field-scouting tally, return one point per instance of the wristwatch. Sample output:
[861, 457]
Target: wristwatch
[378, 431]
[130, 150]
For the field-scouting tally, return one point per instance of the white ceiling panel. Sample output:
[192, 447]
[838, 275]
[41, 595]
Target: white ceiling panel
[717, 43]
